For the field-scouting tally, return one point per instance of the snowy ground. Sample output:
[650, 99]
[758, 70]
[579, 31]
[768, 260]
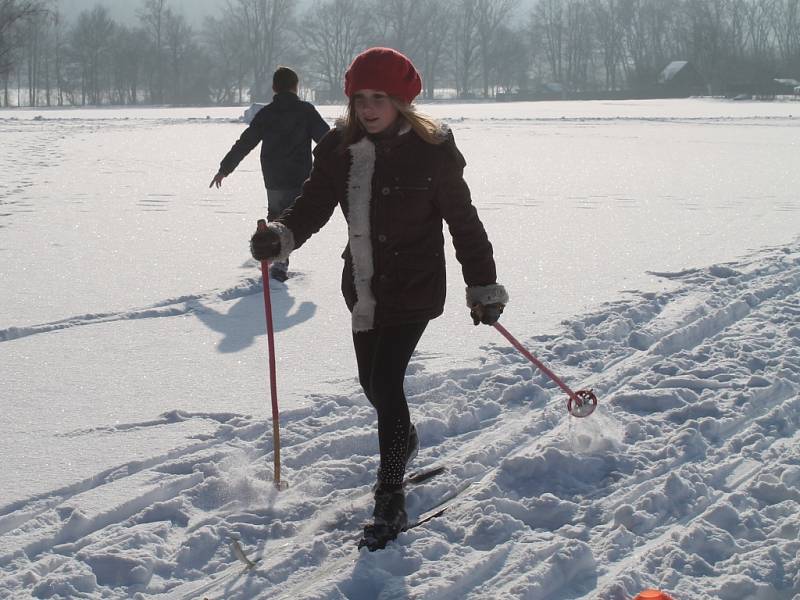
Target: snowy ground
[651, 252]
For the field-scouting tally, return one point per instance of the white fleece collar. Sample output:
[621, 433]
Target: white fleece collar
[359, 198]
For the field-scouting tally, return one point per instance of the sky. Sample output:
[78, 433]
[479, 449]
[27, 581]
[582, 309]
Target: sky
[194, 10]
[126, 10]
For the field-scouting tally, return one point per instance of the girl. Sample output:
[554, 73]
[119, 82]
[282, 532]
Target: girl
[396, 174]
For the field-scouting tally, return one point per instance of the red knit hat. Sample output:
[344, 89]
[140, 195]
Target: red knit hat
[385, 70]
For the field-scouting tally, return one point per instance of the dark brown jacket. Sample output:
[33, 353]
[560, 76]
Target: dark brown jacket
[395, 195]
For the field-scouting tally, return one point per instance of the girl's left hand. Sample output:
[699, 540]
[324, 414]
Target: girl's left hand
[488, 314]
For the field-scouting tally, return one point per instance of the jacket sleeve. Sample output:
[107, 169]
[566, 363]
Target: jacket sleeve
[246, 142]
[317, 201]
[318, 125]
[473, 249]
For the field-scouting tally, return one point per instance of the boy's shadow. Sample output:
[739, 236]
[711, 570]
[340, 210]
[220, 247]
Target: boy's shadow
[246, 320]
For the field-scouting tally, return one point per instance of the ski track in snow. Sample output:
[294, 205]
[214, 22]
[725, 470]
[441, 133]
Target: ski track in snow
[172, 307]
[687, 477]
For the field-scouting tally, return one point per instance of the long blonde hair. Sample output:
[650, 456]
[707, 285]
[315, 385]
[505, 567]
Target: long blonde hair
[427, 128]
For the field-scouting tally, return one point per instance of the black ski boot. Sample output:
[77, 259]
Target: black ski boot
[279, 271]
[389, 517]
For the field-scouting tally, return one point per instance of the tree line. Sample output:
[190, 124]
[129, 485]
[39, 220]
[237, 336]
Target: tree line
[476, 48]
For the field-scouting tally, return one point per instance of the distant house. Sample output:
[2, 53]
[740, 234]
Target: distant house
[787, 86]
[680, 79]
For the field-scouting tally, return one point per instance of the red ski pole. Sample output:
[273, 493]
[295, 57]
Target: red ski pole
[273, 384]
[580, 404]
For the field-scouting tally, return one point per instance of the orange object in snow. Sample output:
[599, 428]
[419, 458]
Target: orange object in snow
[652, 595]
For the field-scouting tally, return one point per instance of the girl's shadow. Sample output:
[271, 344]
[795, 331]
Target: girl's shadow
[246, 319]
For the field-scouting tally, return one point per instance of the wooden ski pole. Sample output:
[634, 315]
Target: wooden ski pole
[273, 384]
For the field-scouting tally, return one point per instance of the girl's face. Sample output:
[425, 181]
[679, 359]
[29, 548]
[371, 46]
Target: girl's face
[374, 109]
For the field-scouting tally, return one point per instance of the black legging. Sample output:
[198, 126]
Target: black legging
[383, 354]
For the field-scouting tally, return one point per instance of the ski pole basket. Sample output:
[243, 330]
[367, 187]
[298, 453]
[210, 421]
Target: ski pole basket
[580, 404]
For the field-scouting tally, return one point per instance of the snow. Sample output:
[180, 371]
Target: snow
[651, 251]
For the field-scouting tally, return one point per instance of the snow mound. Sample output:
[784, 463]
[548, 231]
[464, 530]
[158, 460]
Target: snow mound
[687, 477]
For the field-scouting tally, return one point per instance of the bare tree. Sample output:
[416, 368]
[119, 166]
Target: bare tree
[548, 19]
[418, 28]
[58, 50]
[491, 14]
[512, 60]
[578, 44]
[434, 33]
[12, 12]
[700, 33]
[334, 31]
[396, 22]
[228, 59]
[36, 41]
[608, 34]
[264, 24]
[786, 26]
[91, 42]
[647, 25]
[758, 25]
[465, 44]
[128, 64]
[179, 49]
[35, 33]
[153, 16]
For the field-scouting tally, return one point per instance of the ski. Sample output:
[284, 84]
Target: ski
[424, 475]
[415, 478]
[261, 567]
[238, 552]
[433, 512]
[438, 509]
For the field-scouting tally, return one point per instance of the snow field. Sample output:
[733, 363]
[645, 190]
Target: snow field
[137, 444]
[687, 477]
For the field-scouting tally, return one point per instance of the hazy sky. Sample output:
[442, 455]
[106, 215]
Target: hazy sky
[125, 10]
[194, 10]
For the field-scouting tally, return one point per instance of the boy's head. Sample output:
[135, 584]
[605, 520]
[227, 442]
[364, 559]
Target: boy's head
[284, 80]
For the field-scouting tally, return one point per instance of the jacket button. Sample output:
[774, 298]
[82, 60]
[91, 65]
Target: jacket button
[383, 278]
[381, 238]
[386, 191]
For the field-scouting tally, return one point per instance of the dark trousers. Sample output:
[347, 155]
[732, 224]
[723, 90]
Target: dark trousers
[383, 355]
[279, 200]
